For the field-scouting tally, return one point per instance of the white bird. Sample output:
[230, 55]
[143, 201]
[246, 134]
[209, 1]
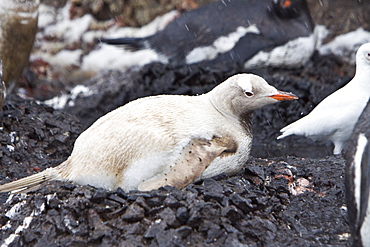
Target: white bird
[166, 140]
[335, 117]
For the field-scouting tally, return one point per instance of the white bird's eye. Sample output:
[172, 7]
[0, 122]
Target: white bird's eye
[367, 56]
[249, 94]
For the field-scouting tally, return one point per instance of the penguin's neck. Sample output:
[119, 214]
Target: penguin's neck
[362, 79]
[221, 106]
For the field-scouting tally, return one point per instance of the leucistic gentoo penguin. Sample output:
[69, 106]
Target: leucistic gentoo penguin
[166, 140]
[233, 32]
[334, 118]
[357, 155]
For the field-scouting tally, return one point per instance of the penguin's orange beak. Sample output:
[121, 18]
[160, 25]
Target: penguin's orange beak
[283, 96]
[285, 4]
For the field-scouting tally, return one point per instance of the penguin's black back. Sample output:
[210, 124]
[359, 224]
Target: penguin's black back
[202, 26]
[276, 22]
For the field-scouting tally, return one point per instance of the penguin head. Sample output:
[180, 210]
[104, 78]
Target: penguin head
[244, 93]
[363, 56]
[288, 8]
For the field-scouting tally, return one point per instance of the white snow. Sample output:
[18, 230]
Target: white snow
[26, 221]
[60, 102]
[15, 209]
[46, 15]
[346, 45]
[70, 30]
[151, 28]
[64, 58]
[111, 57]
[56, 23]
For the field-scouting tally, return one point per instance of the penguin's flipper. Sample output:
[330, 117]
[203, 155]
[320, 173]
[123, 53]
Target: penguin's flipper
[193, 160]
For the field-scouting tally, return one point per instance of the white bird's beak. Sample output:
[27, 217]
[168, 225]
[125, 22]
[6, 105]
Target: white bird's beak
[283, 96]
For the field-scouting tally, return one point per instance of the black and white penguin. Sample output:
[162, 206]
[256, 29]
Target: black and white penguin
[249, 33]
[357, 157]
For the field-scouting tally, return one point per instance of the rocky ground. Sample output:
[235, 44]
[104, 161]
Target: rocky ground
[277, 201]
[290, 192]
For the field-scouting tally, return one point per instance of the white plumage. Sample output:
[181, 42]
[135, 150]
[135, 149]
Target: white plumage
[335, 117]
[166, 139]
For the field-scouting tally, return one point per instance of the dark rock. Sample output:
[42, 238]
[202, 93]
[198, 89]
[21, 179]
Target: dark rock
[242, 203]
[52, 202]
[171, 202]
[184, 231]
[133, 213]
[121, 193]
[3, 220]
[167, 238]
[169, 217]
[154, 228]
[117, 199]
[142, 203]
[182, 215]
[212, 185]
[134, 229]
[195, 218]
[99, 230]
[255, 170]
[156, 200]
[69, 186]
[213, 233]
[232, 213]
[209, 195]
[99, 195]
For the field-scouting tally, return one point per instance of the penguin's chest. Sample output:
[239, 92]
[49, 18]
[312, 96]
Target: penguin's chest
[226, 156]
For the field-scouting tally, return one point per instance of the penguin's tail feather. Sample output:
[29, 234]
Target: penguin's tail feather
[133, 44]
[283, 135]
[286, 131]
[30, 182]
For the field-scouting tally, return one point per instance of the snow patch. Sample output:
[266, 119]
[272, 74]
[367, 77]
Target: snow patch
[15, 210]
[159, 23]
[70, 30]
[64, 58]
[111, 57]
[346, 45]
[59, 102]
[26, 221]
[46, 15]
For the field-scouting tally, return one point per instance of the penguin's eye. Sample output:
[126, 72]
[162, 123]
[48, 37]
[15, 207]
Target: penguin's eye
[249, 94]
